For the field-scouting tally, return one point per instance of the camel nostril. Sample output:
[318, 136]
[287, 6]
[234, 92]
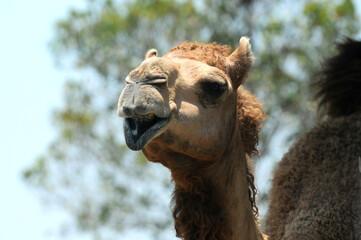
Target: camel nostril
[126, 111]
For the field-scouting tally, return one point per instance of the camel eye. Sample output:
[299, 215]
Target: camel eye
[211, 91]
[213, 88]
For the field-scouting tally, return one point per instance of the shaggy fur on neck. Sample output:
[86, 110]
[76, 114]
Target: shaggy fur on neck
[196, 210]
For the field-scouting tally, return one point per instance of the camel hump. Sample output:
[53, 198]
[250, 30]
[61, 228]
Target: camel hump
[339, 87]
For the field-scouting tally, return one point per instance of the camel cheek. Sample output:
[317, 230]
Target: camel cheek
[187, 112]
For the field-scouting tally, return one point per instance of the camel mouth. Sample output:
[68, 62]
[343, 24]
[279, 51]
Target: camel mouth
[139, 130]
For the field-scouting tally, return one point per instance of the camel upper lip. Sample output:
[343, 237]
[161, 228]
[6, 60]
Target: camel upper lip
[140, 129]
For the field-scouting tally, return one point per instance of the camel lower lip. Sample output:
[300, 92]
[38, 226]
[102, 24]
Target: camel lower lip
[140, 130]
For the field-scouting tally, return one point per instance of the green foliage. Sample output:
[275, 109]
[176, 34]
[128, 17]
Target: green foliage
[88, 171]
[345, 9]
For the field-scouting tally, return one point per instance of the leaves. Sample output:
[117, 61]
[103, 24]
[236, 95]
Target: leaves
[345, 9]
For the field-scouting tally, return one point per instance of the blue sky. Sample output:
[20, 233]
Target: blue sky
[30, 89]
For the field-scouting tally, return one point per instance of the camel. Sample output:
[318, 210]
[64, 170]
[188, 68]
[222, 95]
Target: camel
[188, 111]
[316, 189]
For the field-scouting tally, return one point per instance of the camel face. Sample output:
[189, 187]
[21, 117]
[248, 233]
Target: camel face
[204, 112]
[181, 104]
[180, 99]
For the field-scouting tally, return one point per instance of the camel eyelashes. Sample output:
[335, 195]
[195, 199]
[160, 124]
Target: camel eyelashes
[211, 92]
[213, 88]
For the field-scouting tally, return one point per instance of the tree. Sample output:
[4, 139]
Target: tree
[88, 171]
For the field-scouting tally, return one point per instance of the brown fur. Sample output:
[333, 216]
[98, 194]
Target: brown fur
[339, 87]
[212, 54]
[250, 116]
[196, 217]
[316, 189]
[211, 134]
[196, 209]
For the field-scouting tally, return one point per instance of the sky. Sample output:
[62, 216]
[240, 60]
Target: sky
[30, 88]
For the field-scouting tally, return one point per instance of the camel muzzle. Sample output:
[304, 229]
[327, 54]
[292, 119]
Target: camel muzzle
[145, 112]
[139, 130]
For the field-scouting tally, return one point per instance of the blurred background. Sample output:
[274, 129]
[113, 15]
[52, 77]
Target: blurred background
[65, 172]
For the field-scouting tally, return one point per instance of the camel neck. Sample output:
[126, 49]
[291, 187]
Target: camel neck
[230, 176]
[211, 199]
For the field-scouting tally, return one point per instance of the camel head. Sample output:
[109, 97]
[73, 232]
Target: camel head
[186, 101]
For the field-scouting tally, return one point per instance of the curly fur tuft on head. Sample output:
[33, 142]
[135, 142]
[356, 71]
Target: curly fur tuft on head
[340, 84]
[211, 53]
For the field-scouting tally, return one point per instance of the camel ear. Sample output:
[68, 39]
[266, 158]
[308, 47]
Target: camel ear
[151, 53]
[240, 62]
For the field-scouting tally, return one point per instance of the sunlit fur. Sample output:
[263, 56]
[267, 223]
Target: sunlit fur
[211, 53]
[196, 208]
[316, 189]
[192, 209]
[207, 145]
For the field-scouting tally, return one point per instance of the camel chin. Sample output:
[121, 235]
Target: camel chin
[141, 129]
